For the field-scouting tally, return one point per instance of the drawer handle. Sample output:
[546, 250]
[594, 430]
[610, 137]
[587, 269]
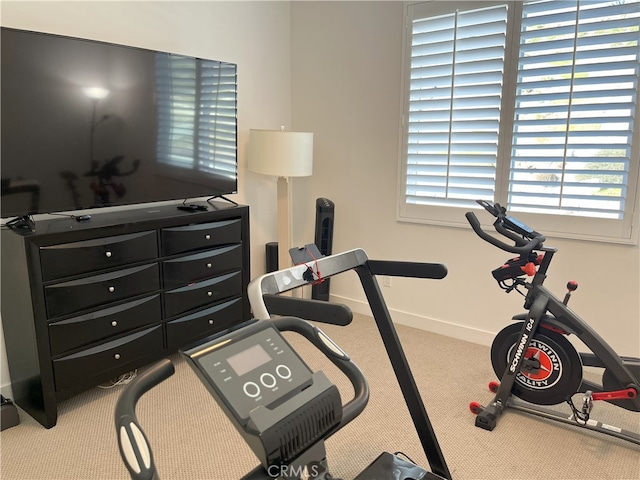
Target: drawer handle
[207, 237]
[210, 322]
[112, 289]
[108, 254]
[209, 294]
[114, 324]
[117, 356]
[209, 265]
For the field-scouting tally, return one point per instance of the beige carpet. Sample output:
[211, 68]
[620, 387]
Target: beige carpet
[193, 440]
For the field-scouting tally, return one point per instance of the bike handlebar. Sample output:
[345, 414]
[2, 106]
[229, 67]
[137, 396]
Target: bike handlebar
[522, 246]
[132, 441]
[134, 446]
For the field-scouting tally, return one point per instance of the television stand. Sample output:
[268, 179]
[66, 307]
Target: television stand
[24, 222]
[222, 197]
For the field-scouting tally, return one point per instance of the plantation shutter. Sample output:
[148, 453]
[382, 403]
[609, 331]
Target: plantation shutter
[457, 63]
[575, 104]
[196, 112]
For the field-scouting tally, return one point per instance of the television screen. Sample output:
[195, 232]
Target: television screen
[89, 124]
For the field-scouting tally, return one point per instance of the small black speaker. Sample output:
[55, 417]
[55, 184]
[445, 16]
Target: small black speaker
[271, 256]
[325, 212]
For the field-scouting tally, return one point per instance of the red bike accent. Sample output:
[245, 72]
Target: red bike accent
[529, 269]
[572, 285]
[616, 394]
[554, 328]
[475, 408]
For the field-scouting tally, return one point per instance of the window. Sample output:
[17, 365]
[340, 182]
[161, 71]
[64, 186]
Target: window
[532, 104]
[196, 114]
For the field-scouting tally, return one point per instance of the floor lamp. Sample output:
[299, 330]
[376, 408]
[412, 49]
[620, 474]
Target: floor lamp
[284, 155]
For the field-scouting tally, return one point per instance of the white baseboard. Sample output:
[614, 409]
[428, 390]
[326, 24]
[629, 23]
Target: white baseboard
[460, 332]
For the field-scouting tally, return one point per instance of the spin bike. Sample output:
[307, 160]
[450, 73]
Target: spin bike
[282, 408]
[533, 358]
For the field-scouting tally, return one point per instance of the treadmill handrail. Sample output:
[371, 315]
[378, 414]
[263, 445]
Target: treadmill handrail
[291, 278]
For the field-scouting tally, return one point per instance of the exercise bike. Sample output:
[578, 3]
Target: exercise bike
[282, 408]
[533, 358]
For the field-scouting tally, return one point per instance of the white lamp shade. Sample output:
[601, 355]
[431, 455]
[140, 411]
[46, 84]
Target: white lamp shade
[281, 154]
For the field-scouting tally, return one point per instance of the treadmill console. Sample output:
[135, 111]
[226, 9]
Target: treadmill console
[250, 368]
[280, 407]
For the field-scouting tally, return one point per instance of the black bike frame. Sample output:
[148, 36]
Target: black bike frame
[565, 319]
[544, 308]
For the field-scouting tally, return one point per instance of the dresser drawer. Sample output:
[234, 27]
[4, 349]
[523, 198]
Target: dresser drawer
[201, 324]
[77, 331]
[64, 260]
[68, 297]
[199, 236]
[73, 369]
[199, 294]
[191, 268]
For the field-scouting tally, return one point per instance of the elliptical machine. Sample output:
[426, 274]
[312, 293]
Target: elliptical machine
[533, 358]
[283, 409]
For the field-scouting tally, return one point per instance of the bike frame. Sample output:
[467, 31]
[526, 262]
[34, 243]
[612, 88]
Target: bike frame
[569, 322]
[545, 310]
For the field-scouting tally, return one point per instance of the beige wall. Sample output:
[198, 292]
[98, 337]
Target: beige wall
[333, 68]
[346, 89]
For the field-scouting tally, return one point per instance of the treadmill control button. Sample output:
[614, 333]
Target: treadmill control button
[268, 380]
[251, 389]
[283, 372]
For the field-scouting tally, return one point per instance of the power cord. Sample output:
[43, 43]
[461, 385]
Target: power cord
[123, 379]
[405, 456]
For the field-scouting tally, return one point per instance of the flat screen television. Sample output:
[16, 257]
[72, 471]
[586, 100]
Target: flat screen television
[91, 124]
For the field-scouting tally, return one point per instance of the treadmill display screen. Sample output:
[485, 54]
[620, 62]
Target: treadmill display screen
[249, 359]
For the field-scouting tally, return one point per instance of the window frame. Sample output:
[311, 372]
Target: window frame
[624, 231]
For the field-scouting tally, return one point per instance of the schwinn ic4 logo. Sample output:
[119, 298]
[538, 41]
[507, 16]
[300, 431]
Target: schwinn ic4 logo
[548, 371]
[519, 351]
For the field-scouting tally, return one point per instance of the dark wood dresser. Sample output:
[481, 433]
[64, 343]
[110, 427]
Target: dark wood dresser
[84, 302]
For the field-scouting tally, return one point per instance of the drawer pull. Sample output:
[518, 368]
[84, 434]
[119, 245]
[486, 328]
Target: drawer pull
[114, 324]
[209, 265]
[108, 254]
[209, 294]
[207, 237]
[210, 322]
[112, 289]
[117, 356]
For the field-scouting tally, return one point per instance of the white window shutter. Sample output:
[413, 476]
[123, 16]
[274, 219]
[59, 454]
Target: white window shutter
[575, 105]
[457, 63]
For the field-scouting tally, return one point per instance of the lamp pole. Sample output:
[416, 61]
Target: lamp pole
[285, 207]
